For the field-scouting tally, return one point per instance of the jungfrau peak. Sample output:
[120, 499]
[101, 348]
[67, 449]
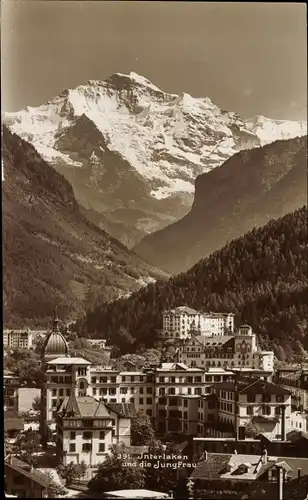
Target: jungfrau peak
[132, 152]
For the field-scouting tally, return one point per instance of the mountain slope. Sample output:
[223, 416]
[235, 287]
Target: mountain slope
[132, 151]
[53, 255]
[248, 190]
[262, 277]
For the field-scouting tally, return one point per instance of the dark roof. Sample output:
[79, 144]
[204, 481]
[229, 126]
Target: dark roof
[252, 386]
[293, 490]
[123, 410]
[83, 406]
[26, 470]
[213, 467]
[14, 424]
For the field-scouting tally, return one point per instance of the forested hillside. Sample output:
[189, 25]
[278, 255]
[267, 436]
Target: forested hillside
[53, 255]
[248, 190]
[261, 276]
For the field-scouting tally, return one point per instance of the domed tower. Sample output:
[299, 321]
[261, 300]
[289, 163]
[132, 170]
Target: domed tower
[55, 345]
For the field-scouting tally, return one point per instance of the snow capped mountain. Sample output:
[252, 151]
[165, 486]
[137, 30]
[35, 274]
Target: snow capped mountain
[131, 151]
[269, 130]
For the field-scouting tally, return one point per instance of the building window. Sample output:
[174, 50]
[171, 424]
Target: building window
[93, 380]
[54, 392]
[103, 380]
[86, 447]
[87, 423]
[72, 447]
[149, 401]
[68, 392]
[141, 390]
[102, 435]
[113, 380]
[266, 398]
[250, 410]
[123, 390]
[149, 390]
[266, 410]
[251, 398]
[101, 447]
[86, 435]
[141, 401]
[113, 422]
[72, 435]
[185, 403]
[149, 413]
[278, 411]
[279, 398]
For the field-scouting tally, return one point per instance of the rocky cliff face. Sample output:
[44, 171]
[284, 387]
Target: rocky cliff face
[249, 189]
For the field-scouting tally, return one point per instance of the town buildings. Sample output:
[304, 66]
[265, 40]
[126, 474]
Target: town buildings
[224, 475]
[22, 339]
[244, 403]
[87, 428]
[23, 480]
[239, 350]
[10, 392]
[178, 323]
[296, 381]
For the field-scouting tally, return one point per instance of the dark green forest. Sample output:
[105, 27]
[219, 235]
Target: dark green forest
[262, 277]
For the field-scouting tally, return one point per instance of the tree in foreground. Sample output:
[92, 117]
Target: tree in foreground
[141, 429]
[117, 473]
[72, 472]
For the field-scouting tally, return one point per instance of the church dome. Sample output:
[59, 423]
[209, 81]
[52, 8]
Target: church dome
[55, 344]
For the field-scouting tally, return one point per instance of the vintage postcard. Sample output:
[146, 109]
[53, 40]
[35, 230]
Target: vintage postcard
[154, 184]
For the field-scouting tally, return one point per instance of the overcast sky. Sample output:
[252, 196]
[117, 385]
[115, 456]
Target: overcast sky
[249, 58]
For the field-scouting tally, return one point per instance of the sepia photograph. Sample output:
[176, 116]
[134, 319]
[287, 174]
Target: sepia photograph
[154, 228]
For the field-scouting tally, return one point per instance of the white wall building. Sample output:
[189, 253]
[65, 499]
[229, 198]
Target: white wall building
[239, 350]
[178, 322]
[87, 428]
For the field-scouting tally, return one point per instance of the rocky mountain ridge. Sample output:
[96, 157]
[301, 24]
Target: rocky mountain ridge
[246, 191]
[132, 152]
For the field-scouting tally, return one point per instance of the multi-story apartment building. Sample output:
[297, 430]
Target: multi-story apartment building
[10, 392]
[21, 339]
[87, 428]
[178, 323]
[229, 351]
[295, 381]
[264, 406]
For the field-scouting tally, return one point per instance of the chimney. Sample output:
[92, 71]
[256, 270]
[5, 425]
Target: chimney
[299, 474]
[264, 456]
[205, 456]
[280, 482]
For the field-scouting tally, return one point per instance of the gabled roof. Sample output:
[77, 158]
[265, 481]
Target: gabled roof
[215, 341]
[246, 385]
[26, 470]
[213, 467]
[123, 410]
[83, 406]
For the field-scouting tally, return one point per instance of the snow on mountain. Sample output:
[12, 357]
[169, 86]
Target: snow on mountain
[166, 138]
[269, 130]
[127, 146]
